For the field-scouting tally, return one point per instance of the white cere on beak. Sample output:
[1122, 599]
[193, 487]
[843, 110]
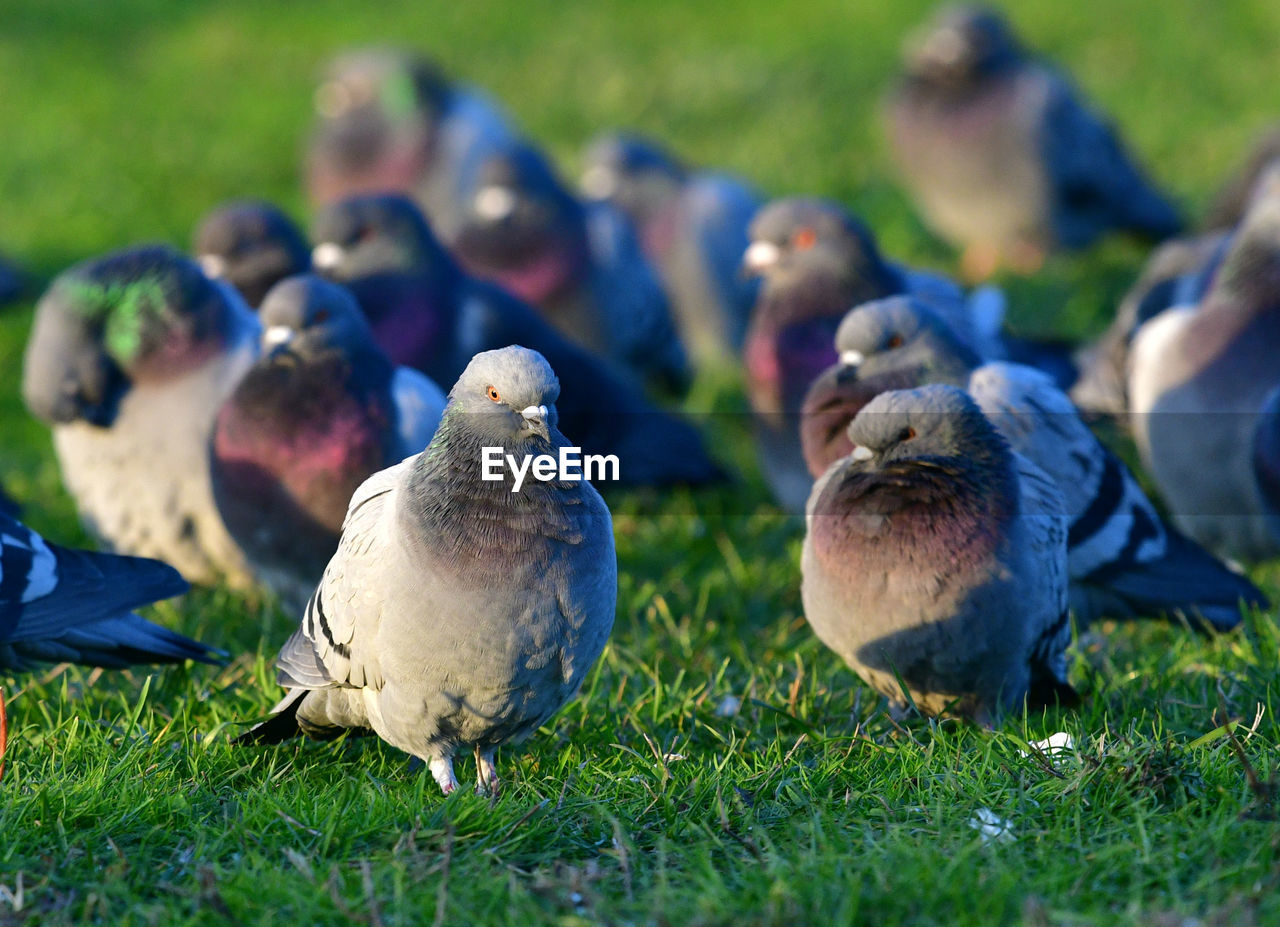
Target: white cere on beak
[213, 265]
[761, 255]
[599, 182]
[276, 335]
[327, 255]
[862, 452]
[851, 358]
[534, 413]
[332, 99]
[495, 203]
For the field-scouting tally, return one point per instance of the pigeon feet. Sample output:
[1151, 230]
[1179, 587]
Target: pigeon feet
[487, 782]
[1025, 258]
[442, 771]
[979, 262]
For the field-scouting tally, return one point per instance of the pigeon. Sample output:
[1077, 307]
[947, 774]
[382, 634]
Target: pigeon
[1178, 272]
[1004, 156]
[816, 260]
[1122, 559]
[320, 411]
[427, 313]
[1199, 376]
[391, 122]
[935, 561]
[251, 244]
[413, 633]
[1232, 201]
[60, 605]
[693, 227]
[129, 359]
[580, 264]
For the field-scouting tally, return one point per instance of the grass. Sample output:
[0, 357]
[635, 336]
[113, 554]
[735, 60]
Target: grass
[722, 767]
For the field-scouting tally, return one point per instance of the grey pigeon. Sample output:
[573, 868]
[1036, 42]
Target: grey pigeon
[251, 244]
[1177, 273]
[1004, 156]
[60, 605]
[130, 358]
[319, 412]
[426, 312]
[1232, 201]
[391, 122]
[579, 263]
[692, 225]
[1199, 376]
[1122, 559]
[457, 613]
[935, 561]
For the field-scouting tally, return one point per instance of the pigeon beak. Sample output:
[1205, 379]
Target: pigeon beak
[493, 204]
[327, 255]
[851, 358]
[213, 265]
[861, 452]
[535, 420]
[759, 257]
[277, 335]
[599, 182]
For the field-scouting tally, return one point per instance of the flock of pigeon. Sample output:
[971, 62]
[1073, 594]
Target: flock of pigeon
[272, 410]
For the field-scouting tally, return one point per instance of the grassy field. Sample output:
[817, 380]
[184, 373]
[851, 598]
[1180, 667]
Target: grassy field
[722, 767]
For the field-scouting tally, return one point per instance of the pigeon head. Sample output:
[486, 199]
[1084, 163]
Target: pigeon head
[812, 252]
[522, 225]
[144, 315]
[252, 245]
[364, 236]
[370, 97]
[919, 425]
[901, 332]
[963, 45]
[307, 315]
[634, 172]
[507, 397]
[1250, 272]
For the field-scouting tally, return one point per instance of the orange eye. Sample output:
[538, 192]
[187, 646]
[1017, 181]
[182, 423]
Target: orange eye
[492, 393]
[895, 341]
[804, 238]
[907, 434]
[321, 316]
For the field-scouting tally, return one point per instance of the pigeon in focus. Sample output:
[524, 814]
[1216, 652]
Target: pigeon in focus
[427, 313]
[1232, 201]
[579, 263]
[391, 122]
[816, 260]
[935, 561]
[251, 244]
[61, 605]
[693, 225]
[129, 359]
[1004, 156]
[1199, 376]
[320, 411]
[458, 614]
[1122, 559]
